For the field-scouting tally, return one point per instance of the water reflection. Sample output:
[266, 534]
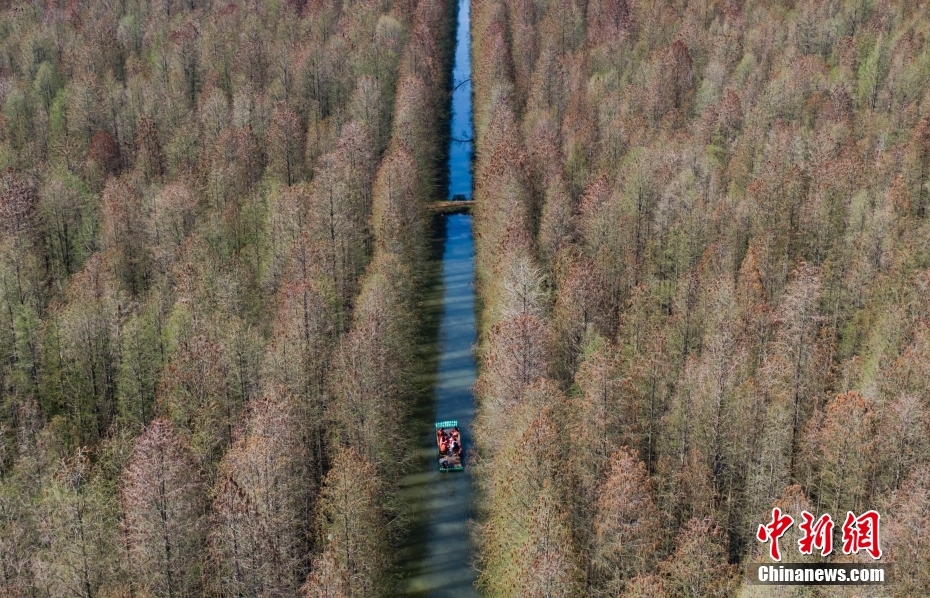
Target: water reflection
[460, 146]
[437, 559]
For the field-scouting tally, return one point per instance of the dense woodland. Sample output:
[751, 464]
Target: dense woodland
[212, 234]
[703, 263]
[704, 259]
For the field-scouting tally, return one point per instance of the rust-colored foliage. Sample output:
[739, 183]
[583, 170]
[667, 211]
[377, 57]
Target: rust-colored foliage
[150, 158]
[163, 504]
[352, 525]
[608, 21]
[285, 147]
[744, 192]
[626, 522]
[104, 151]
[123, 233]
[18, 205]
[260, 526]
[699, 564]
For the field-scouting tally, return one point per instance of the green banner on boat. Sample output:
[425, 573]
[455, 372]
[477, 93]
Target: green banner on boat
[449, 423]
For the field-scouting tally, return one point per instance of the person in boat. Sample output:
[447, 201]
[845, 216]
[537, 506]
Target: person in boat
[443, 440]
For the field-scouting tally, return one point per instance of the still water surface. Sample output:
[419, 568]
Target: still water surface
[436, 560]
[460, 146]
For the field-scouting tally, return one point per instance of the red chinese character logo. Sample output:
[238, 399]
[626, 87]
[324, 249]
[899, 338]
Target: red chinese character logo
[775, 530]
[819, 535]
[861, 533]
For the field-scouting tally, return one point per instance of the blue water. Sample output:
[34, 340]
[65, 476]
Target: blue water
[460, 146]
[437, 558]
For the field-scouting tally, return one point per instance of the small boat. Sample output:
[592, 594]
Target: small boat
[449, 445]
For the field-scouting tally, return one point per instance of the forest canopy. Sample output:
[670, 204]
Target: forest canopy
[703, 257]
[212, 232]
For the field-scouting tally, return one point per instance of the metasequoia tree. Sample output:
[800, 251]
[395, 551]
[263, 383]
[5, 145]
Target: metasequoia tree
[285, 145]
[794, 364]
[698, 566]
[62, 208]
[917, 167]
[525, 535]
[17, 540]
[236, 165]
[339, 205]
[79, 528]
[901, 439]
[104, 152]
[237, 542]
[415, 126]
[194, 394]
[522, 286]
[905, 536]
[422, 58]
[516, 353]
[596, 223]
[398, 215]
[326, 579]
[608, 21]
[298, 354]
[172, 219]
[260, 525]
[19, 205]
[841, 453]
[142, 350]
[353, 531]
[162, 501]
[549, 565]
[150, 159]
[123, 234]
[581, 307]
[286, 228]
[504, 208]
[80, 353]
[579, 137]
[709, 416]
[556, 225]
[20, 266]
[671, 78]
[645, 586]
[21, 279]
[521, 19]
[626, 524]
[603, 414]
[369, 384]
[550, 81]
[369, 106]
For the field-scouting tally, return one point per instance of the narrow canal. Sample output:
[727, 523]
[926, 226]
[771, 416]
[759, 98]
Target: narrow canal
[437, 558]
